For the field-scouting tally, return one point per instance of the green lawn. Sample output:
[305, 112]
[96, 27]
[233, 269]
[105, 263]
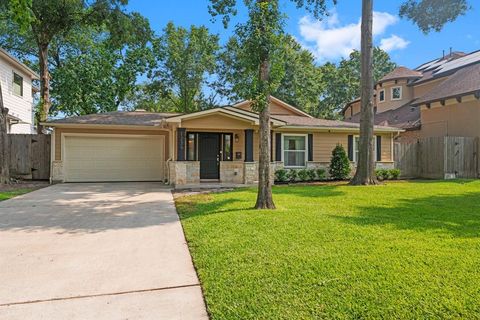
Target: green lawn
[399, 251]
[5, 195]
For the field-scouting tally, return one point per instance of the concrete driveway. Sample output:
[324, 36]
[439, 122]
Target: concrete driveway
[96, 251]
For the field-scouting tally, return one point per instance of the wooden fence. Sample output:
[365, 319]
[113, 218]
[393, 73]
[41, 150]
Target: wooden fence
[30, 156]
[438, 158]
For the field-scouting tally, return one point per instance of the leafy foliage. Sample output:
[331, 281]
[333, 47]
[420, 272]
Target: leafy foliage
[339, 164]
[342, 83]
[431, 15]
[186, 58]
[281, 175]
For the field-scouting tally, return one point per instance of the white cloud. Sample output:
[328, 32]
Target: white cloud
[329, 40]
[393, 43]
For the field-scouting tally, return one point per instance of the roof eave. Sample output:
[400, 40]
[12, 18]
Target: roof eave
[340, 129]
[101, 125]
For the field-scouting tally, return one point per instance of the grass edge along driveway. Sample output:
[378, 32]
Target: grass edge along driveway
[401, 250]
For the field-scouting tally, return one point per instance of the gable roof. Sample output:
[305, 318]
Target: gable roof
[280, 103]
[14, 61]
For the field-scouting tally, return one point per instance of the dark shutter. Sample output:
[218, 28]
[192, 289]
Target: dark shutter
[271, 146]
[379, 148]
[278, 146]
[310, 147]
[181, 144]
[350, 147]
[249, 145]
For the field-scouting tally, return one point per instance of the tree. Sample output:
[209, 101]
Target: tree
[428, 15]
[431, 15]
[49, 19]
[300, 81]
[4, 150]
[339, 164]
[186, 58]
[260, 35]
[341, 84]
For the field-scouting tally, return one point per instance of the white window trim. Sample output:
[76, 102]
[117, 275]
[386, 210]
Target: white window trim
[384, 97]
[401, 93]
[355, 148]
[306, 149]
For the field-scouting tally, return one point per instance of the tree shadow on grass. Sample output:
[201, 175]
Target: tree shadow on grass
[244, 199]
[457, 215]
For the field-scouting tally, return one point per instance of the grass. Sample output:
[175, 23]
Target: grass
[5, 195]
[403, 250]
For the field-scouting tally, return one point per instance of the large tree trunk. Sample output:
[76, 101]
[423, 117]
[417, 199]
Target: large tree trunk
[365, 173]
[264, 196]
[45, 102]
[4, 149]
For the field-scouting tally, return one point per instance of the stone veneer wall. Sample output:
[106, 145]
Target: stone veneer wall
[57, 172]
[232, 172]
[184, 172]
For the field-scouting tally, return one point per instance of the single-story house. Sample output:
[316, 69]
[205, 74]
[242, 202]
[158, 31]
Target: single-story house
[219, 144]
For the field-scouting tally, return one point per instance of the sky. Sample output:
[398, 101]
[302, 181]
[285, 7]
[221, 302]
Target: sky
[336, 35]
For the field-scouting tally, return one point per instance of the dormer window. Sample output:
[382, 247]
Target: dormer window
[381, 95]
[397, 93]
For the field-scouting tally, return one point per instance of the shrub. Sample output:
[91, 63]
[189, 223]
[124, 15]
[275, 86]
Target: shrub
[281, 175]
[292, 175]
[312, 174]
[339, 164]
[303, 175]
[382, 174]
[395, 173]
[321, 174]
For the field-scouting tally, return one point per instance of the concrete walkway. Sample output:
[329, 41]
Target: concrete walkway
[96, 251]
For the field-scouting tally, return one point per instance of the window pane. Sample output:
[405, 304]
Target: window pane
[396, 93]
[17, 84]
[227, 147]
[191, 147]
[382, 95]
[294, 158]
[294, 142]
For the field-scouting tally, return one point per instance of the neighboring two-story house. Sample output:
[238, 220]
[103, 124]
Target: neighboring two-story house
[17, 91]
[438, 98]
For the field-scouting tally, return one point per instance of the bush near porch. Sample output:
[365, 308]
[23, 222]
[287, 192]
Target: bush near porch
[398, 251]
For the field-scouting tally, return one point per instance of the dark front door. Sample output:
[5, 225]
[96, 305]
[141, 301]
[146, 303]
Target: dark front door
[209, 155]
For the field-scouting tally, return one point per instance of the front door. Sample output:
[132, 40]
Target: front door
[209, 155]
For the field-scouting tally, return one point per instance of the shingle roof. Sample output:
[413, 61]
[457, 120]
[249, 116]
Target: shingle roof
[463, 81]
[405, 117]
[401, 73]
[139, 118]
[300, 121]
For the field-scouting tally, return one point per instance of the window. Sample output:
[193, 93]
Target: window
[396, 93]
[294, 150]
[191, 147]
[381, 95]
[356, 143]
[17, 85]
[227, 147]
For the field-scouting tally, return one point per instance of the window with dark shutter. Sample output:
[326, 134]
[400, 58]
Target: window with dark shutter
[350, 147]
[310, 147]
[379, 148]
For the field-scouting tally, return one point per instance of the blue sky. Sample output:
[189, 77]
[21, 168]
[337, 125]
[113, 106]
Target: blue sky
[337, 34]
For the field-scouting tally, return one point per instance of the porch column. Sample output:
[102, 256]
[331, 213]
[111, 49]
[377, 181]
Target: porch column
[181, 143]
[249, 145]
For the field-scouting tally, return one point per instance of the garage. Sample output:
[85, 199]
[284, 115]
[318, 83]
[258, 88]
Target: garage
[98, 158]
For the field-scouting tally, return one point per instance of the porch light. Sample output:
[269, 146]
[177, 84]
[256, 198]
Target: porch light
[236, 138]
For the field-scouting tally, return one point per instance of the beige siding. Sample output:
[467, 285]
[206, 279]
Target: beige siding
[60, 131]
[421, 89]
[275, 109]
[459, 119]
[388, 104]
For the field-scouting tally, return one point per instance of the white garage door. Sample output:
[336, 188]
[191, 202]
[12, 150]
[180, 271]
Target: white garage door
[114, 158]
